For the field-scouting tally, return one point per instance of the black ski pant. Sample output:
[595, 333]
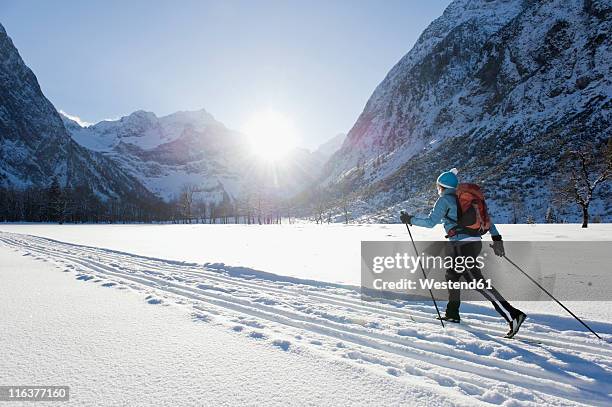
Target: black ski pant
[472, 249]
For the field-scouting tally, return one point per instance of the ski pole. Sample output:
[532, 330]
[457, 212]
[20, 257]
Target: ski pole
[551, 296]
[424, 275]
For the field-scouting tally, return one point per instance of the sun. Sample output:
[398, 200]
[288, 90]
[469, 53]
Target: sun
[271, 134]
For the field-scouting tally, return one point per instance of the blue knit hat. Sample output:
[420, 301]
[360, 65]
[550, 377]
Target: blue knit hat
[448, 179]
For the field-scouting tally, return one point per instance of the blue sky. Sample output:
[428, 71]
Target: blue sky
[315, 62]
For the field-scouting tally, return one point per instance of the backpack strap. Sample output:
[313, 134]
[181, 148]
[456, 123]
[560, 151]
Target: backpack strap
[452, 231]
[457, 205]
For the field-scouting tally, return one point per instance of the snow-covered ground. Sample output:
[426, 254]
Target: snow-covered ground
[113, 347]
[128, 312]
[329, 253]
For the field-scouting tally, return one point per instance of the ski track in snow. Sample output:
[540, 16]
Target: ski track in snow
[546, 364]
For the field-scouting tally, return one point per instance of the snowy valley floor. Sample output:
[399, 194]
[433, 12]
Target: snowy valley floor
[142, 327]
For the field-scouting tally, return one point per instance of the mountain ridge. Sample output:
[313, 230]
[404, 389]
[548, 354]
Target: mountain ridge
[498, 93]
[35, 147]
[192, 148]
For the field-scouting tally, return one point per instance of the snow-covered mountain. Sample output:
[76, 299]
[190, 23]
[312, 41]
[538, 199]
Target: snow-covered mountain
[35, 146]
[498, 88]
[166, 153]
[192, 148]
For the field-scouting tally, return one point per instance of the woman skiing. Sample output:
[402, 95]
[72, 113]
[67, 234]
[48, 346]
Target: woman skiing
[465, 241]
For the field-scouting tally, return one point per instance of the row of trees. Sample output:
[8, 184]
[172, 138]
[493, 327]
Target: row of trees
[76, 205]
[194, 206]
[81, 205]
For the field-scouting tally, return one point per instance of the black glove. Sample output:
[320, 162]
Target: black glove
[405, 218]
[498, 246]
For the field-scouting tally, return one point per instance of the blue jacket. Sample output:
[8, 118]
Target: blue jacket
[445, 208]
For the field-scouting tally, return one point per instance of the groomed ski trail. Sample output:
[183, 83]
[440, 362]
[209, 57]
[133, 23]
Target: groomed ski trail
[545, 365]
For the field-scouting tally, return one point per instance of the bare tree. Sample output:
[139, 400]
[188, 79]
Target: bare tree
[550, 216]
[199, 210]
[344, 205]
[319, 205]
[288, 207]
[259, 209]
[518, 207]
[584, 170]
[186, 201]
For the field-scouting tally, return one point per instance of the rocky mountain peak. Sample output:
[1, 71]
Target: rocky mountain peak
[35, 146]
[498, 88]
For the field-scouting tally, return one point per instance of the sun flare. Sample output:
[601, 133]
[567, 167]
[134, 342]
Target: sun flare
[271, 135]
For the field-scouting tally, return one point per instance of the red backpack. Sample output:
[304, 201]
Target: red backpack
[472, 216]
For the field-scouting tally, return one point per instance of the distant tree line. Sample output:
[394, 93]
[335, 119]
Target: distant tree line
[81, 205]
[76, 205]
[258, 207]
